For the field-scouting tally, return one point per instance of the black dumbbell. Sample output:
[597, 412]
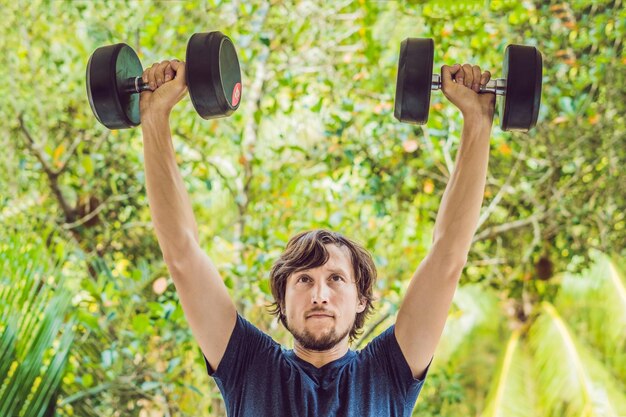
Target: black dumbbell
[213, 76]
[520, 85]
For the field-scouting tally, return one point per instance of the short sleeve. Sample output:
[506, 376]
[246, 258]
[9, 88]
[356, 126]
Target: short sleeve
[386, 352]
[246, 343]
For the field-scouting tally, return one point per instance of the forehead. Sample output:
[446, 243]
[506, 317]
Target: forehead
[339, 257]
[339, 260]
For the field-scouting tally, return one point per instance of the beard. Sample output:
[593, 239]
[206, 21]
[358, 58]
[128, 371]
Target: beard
[321, 343]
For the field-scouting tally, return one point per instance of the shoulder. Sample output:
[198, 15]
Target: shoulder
[246, 343]
[385, 352]
[383, 344]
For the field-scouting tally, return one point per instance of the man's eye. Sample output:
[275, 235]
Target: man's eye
[303, 278]
[337, 278]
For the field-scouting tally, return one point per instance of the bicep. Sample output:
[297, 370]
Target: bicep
[209, 310]
[424, 310]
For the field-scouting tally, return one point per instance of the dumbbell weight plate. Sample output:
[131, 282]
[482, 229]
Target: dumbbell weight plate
[107, 69]
[213, 75]
[522, 69]
[413, 84]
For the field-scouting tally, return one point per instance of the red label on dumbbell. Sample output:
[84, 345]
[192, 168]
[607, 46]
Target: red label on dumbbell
[236, 94]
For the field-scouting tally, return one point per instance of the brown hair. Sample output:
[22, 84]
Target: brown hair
[307, 250]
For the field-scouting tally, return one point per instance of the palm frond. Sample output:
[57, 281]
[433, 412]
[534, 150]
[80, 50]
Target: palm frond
[512, 393]
[8, 339]
[572, 381]
[470, 344]
[594, 305]
[36, 335]
[473, 310]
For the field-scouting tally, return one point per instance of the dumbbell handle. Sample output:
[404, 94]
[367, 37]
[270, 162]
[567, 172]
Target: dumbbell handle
[134, 85]
[497, 86]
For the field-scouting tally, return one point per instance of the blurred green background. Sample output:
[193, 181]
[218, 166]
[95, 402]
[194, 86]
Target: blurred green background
[90, 323]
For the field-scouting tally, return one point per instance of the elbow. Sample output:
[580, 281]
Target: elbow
[455, 268]
[452, 258]
[173, 263]
[177, 256]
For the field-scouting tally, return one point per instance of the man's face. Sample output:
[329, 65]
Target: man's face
[321, 304]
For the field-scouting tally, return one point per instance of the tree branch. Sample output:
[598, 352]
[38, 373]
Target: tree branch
[496, 230]
[70, 153]
[95, 211]
[225, 179]
[494, 203]
[35, 147]
[70, 213]
[371, 329]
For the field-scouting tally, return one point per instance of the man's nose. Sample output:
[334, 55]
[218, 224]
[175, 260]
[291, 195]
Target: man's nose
[320, 294]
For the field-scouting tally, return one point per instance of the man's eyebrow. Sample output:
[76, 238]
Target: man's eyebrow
[331, 270]
[338, 271]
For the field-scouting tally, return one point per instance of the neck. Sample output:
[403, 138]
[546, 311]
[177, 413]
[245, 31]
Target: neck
[321, 358]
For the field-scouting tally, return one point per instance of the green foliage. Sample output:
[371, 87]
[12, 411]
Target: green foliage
[314, 144]
[36, 327]
[558, 363]
[137, 350]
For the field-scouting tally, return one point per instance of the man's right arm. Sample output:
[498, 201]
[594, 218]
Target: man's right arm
[202, 292]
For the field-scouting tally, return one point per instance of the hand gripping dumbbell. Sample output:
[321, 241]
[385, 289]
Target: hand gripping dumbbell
[520, 85]
[213, 76]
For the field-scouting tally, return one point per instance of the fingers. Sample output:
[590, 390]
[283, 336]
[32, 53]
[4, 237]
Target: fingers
[178, 67]
[484, 79]
[460, 76]
[160, 73]
[468, 78]
[152, 76]
[468, 75]
[476, 78]
[447, 72]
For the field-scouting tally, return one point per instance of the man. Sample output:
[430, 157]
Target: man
[322, 282]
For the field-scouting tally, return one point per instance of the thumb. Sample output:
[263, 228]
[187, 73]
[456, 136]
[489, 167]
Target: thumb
[146, 93]
[447, 72]
[179, 70]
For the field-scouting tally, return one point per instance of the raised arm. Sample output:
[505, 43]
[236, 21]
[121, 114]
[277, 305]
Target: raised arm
[424, 310]
[203, 295]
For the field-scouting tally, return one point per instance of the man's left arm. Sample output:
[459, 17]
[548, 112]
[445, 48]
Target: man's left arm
[424, 311]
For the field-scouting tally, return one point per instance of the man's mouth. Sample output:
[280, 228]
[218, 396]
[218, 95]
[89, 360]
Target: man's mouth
[318, 315]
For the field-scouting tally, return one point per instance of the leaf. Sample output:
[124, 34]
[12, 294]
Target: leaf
[264, 285]
[594, 303]
[574, 382]
[32, 316]
[150, 385]
[89, 320]
[87, 380]
[58, 152]
[513, 390]
[87, 164]
[141, 323]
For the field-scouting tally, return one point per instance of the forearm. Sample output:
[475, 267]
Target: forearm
[459, 211]
[170, 206]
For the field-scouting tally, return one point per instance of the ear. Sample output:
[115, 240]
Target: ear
[361, 306]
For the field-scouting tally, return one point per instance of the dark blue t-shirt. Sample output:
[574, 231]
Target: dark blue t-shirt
[259, 378]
